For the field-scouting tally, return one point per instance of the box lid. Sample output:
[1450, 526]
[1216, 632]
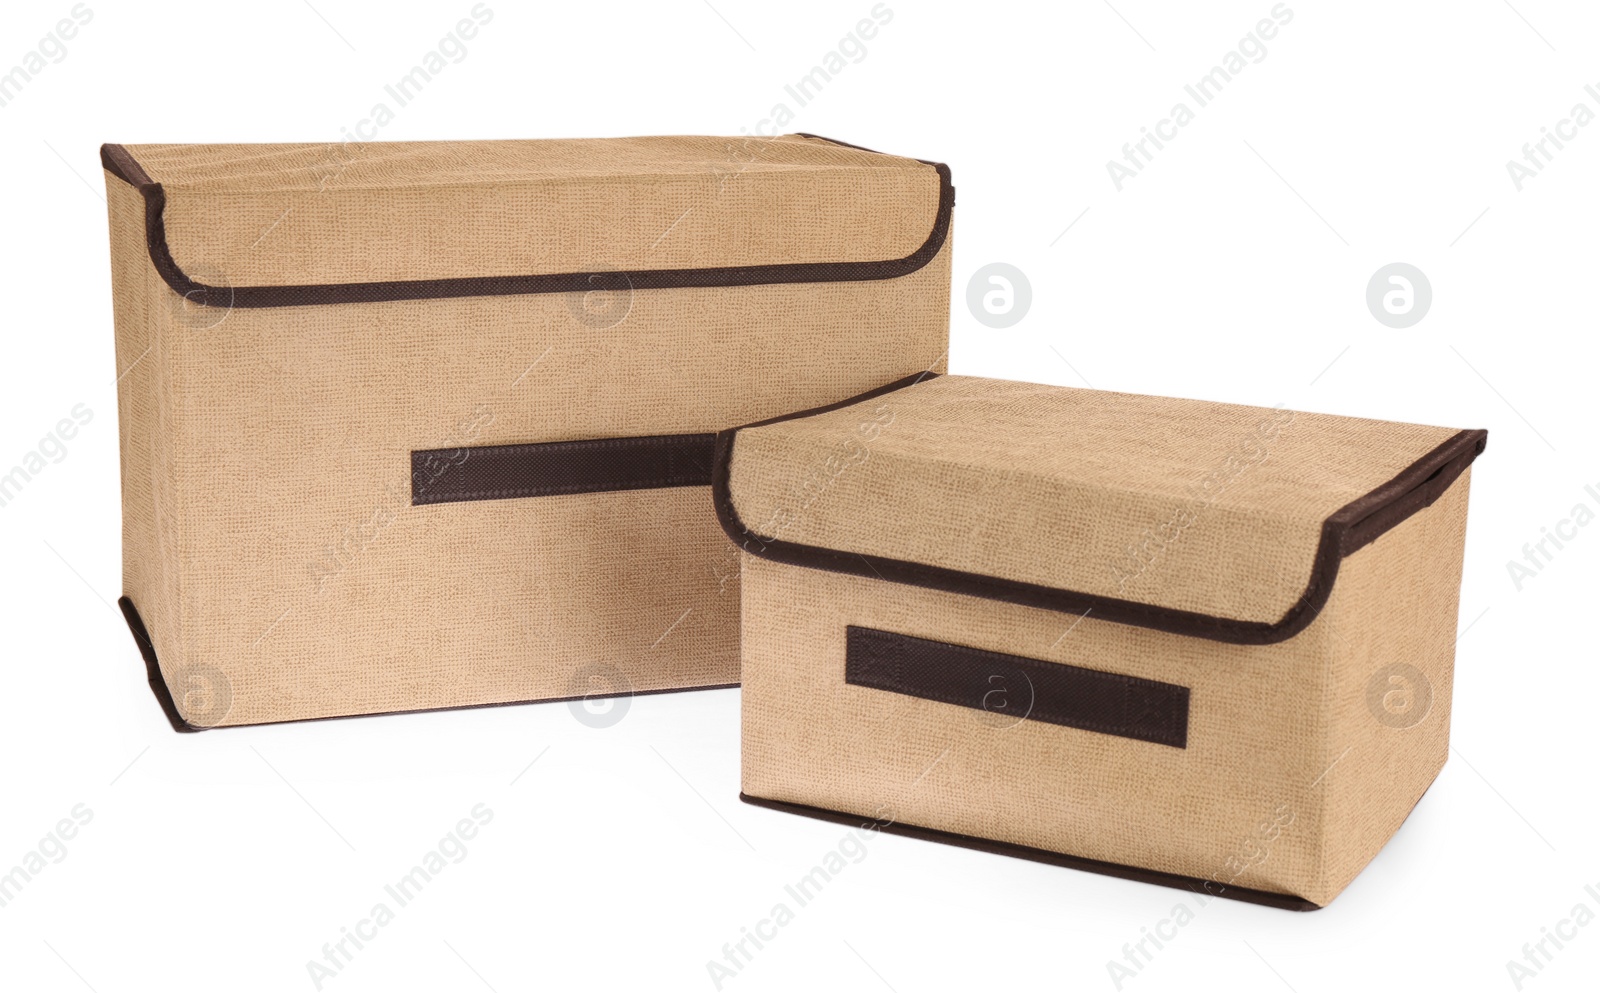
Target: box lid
[1213, 520]
[289, 225]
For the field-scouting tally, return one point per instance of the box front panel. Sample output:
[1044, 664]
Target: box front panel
[316, 588]
[1299, 760]
[1239, 804]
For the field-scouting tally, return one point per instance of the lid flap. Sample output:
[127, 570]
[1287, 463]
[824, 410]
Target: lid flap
[284, 225]
[1214, 520]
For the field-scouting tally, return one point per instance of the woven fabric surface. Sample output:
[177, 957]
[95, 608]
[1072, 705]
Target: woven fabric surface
[269, 533]
[1182, 504]
[1291, 778]
[245, 215]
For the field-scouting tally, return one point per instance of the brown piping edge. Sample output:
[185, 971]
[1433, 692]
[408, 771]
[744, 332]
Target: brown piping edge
[1347, 530]
[1200, 887]
[158, 685]
[120, 163]
[844, 144]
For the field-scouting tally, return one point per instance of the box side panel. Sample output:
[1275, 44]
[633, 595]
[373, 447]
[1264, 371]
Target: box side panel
[1393, 619]
[1239, 805]
[142, 314]
[315, 587]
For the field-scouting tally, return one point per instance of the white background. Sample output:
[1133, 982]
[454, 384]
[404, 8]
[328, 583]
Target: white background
[1233, 268]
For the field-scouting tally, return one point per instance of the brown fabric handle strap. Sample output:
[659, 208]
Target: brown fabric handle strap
[597, 465]
[1013, 688]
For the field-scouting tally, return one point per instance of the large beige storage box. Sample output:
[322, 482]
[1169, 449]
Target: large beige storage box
[1192, 643]
[420, 425]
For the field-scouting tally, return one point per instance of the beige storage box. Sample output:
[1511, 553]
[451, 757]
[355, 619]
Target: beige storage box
[1192, 643]
[428, 424]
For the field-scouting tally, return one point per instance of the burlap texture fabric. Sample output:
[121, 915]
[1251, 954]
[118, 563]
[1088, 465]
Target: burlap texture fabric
[1303, 757]
[270, 542]
[435, 210]
[1182, 504]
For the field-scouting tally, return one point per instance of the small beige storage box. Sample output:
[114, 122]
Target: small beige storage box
[1197, 644]
[429, 424]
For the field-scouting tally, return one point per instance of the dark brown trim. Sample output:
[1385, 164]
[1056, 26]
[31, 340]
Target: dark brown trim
[1348, 529]
[595, 465]
[120, 163]
[872, 394]
[845, 144]
[1205, 888]
[117, 161]
[1016, 688]
[158, 685]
